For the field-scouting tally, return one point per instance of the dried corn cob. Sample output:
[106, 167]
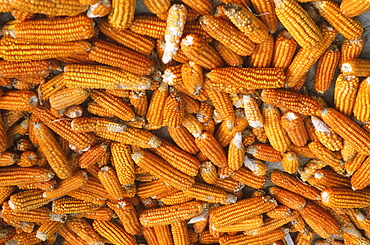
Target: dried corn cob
[68, 97]
[336, 197]
[50, 87]
[290, 162]
[122, 14]
[326, 136]
[347, 129]
[266, 10]
[362, 103]
[294, 126]
[84, 230]
[253, 240]
[349, 28]
[203, 7]
[227, 34]
[285, 47]
[221, 101]
[263, 55]
[264, 152]
[17, 50]
[208, 193]
[352, 8]
[69, 236]
[212, 149]
[11, 69]
[69, 205]
[113, 232]
[157, 7]
[345, 93]
[48, 7]
[247, 177]
[183, 139]
[245, 225]
[351, 49]
[174, 110]
[24, 238]
[47, 230]
[311, 168]
[27, 200]
[149, 25]
[352, 165]
[108, 177]
[59, 30]
[325, 178]
[290, 183]
[236, 152]
[18, 100]
[329, 157]
[360, 179]
[280, 212]
[100, 8]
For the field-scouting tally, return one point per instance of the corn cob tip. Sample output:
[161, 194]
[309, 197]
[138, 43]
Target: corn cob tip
[346, 67]
[59, 217]
[320, 125]
[154, 142]
[136, 155]
[230, 198]
[202, 216]
[325, 197]
[290, 116]
[324, 111]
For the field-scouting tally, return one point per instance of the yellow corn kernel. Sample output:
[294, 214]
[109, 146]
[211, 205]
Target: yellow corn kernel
[69, 205]
[325, 178]
[162, 170]
[319, 220]
[95, 108]
[245, 21]
[177, 197]
[113, 55]
[347, 129]
[307, 56]
[285, 47]
[200, 52]
[163, 234]
[68, 97]
[113, 232]
[122, 14]
[352, 8]
[290, 183]
[17, 50]
[212, 149]
[280, 212]
[239, 211]
[177, 158]
[275, 133]
[48, 7]
[290, 162]
[362, 103]
[76, 181]
[349, 28]
[325, 69]
[268, 238]
[11, 69]
[293, 124]
[52, 150]
[356, 67]
[175, 25]
[59, 30]
[50, 87]
[169, 214]
[297, 21]
[8, 158]
[202, 7]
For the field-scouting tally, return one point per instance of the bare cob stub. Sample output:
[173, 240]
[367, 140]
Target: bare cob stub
[86, 102]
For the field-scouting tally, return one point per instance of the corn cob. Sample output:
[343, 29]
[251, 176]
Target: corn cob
[203, 7]
[352, 8]
[362, 102]
[351, 49]
[347, 152]
[307, 56]
[329, 157]
[108, 177]
[191, 123]
[23, 175]
[17, 50]
[162, 170]
[280, 212]
[175, 198]
[122, 14]
[139, 100]
[345, 93]
[163, 234]
[59, 30]
[183, 139]
[69, 205]
[149, 25]
[290, 162]
[292, 184]
[222, 103]
[352, 165]
[8, 158]
[236, 152]
[24, 238]
[297, 21]
[5, 6]
[326, 136]
[41, 214]
[270, 19]
[48, 229]
[347, 129]
[27, 200]
[325, 178]
[53, 85]
[48, 7]
[153, 188]
[212, 149]
[127, 214]
[200, 52]
[241, 210]
[326, 68]
[92, 156]
[159, 7]
[294, 126]
[191, 15]
[100, 8]
[10, 69]
[258, 167]
[227, 34]
[208, 193]
[264, 152]
[70, 236]
[356, 67]
[68, 97]
[102, 214]
[208, 172]
[336, 197]
[245, 225]
[171, 214]
[349, 28]
[84, 230]
[285, 47]
[263, 55]
[228, 55]
[174, 29]
[247, 177]
[113, 232]
[74, 111]
[113, 55]
[180, 233]
[360, 179]
[250, 78]
[311, 168]
[18, 100]
[253, 240]
[245, 21]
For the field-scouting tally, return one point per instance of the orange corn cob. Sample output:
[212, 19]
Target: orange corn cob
[348, 152]
[96, 124]
[325, 178]
[227, 34]
[59, 30]
[247, 177]
[356, 67]
[352, 165]
[180, 233]
[345, 93]
[192, 75]
[339, 197]
[352, 8]
[48, 7]
[270, 19]
[103, 214]
[288, 198]
[171, 214]
[158, 7]
[311, 168]
[362, 103]
[360, 179]
[36, 215]
[183, 139]
[178, 158]
[290, 183]
[76, 181]
[349, 28]
[11, 69]
[108, 177]
[258, 167]
[153, 188]
[27, 200]
[69, 205]
[25, 238]
[162, 170]
[172, 75]
[203, 7]
[347, 129]
[52, 150]
[95, 108]
[245, 21]
[326, 68]
[241, 210]
[253, 240]
[228, 55]
[250, 78]
[92, 156]
[110, 54]
[236, 152]
[212, 149]
[28, 159]
[191, 105]
[281, 211]
[303, 151]
[68, 97]
[290, 162]
[84, 230]
[297, 21]
[208, 193]
[263, 55]
[122, 14]
[139, 100]
[127, 214]
[113, 232]
[191, 123]
[191, 15]
[48, 229]
[74, 111]
[173, 110]
[70, 237]
[221, 101]
[149, 25]
[276, 134]
[351, 49]
[24, 175]
[324, 154]
[176, 198]
[208, 172]
[200, 52]
[5, 6]
[53, 85]
[245, 225]
[319, 220]
[8, 158]
[175, 25]
[18, 100]
[285, 47]
[293, 124]
[163, 234]
[264, 152]
[307, 56]
[326, 136]
[17, 50]
[100, 8]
